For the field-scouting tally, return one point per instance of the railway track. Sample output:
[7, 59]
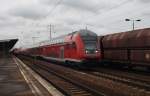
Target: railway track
[62, 84]
[87, 83]
[131, 79]
[66, 86]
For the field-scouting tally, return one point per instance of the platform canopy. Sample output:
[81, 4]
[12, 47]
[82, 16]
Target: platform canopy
[7, 44]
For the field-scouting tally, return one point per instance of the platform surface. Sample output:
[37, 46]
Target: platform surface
[12, 82]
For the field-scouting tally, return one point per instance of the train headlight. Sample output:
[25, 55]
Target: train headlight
[86, 51]
[96, 51]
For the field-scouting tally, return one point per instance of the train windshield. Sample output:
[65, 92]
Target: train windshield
[89, 39]
[90, 42]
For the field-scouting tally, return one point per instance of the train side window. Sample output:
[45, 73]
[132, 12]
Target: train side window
[73, 45]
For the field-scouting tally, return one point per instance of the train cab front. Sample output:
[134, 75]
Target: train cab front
[92, 54]
[90, 42]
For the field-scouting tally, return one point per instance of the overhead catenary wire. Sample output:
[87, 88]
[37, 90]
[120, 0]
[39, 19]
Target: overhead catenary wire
[53, 8]
[49, 12]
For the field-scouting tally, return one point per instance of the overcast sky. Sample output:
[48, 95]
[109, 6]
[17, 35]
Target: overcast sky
[27, 19]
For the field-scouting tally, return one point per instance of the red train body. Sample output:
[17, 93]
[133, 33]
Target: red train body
[79, 46]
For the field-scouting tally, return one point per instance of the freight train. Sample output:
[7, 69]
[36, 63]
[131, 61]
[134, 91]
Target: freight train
[130, 48]
[74, 48]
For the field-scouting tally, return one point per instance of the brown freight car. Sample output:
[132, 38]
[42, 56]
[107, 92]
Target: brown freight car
[132, 47]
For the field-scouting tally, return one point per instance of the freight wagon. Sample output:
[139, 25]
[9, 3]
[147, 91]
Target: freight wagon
[131, 48]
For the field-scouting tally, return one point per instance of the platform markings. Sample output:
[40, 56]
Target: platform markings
[52, 90]
[31, 84]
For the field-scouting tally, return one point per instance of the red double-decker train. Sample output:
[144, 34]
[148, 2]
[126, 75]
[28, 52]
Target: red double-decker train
[130, 48]
[78, 47]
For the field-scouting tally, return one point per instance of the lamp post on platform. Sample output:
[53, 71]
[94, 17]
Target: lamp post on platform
[133, 22]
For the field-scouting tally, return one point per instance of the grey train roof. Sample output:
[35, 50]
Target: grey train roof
[84, 32]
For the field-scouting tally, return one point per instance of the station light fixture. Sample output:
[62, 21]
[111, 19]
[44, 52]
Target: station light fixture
[133, 22]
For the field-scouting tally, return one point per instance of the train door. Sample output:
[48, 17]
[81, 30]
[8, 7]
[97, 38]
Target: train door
[62, 52]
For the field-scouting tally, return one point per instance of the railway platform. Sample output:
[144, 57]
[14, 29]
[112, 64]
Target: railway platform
[12, 82]
[16, 79]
